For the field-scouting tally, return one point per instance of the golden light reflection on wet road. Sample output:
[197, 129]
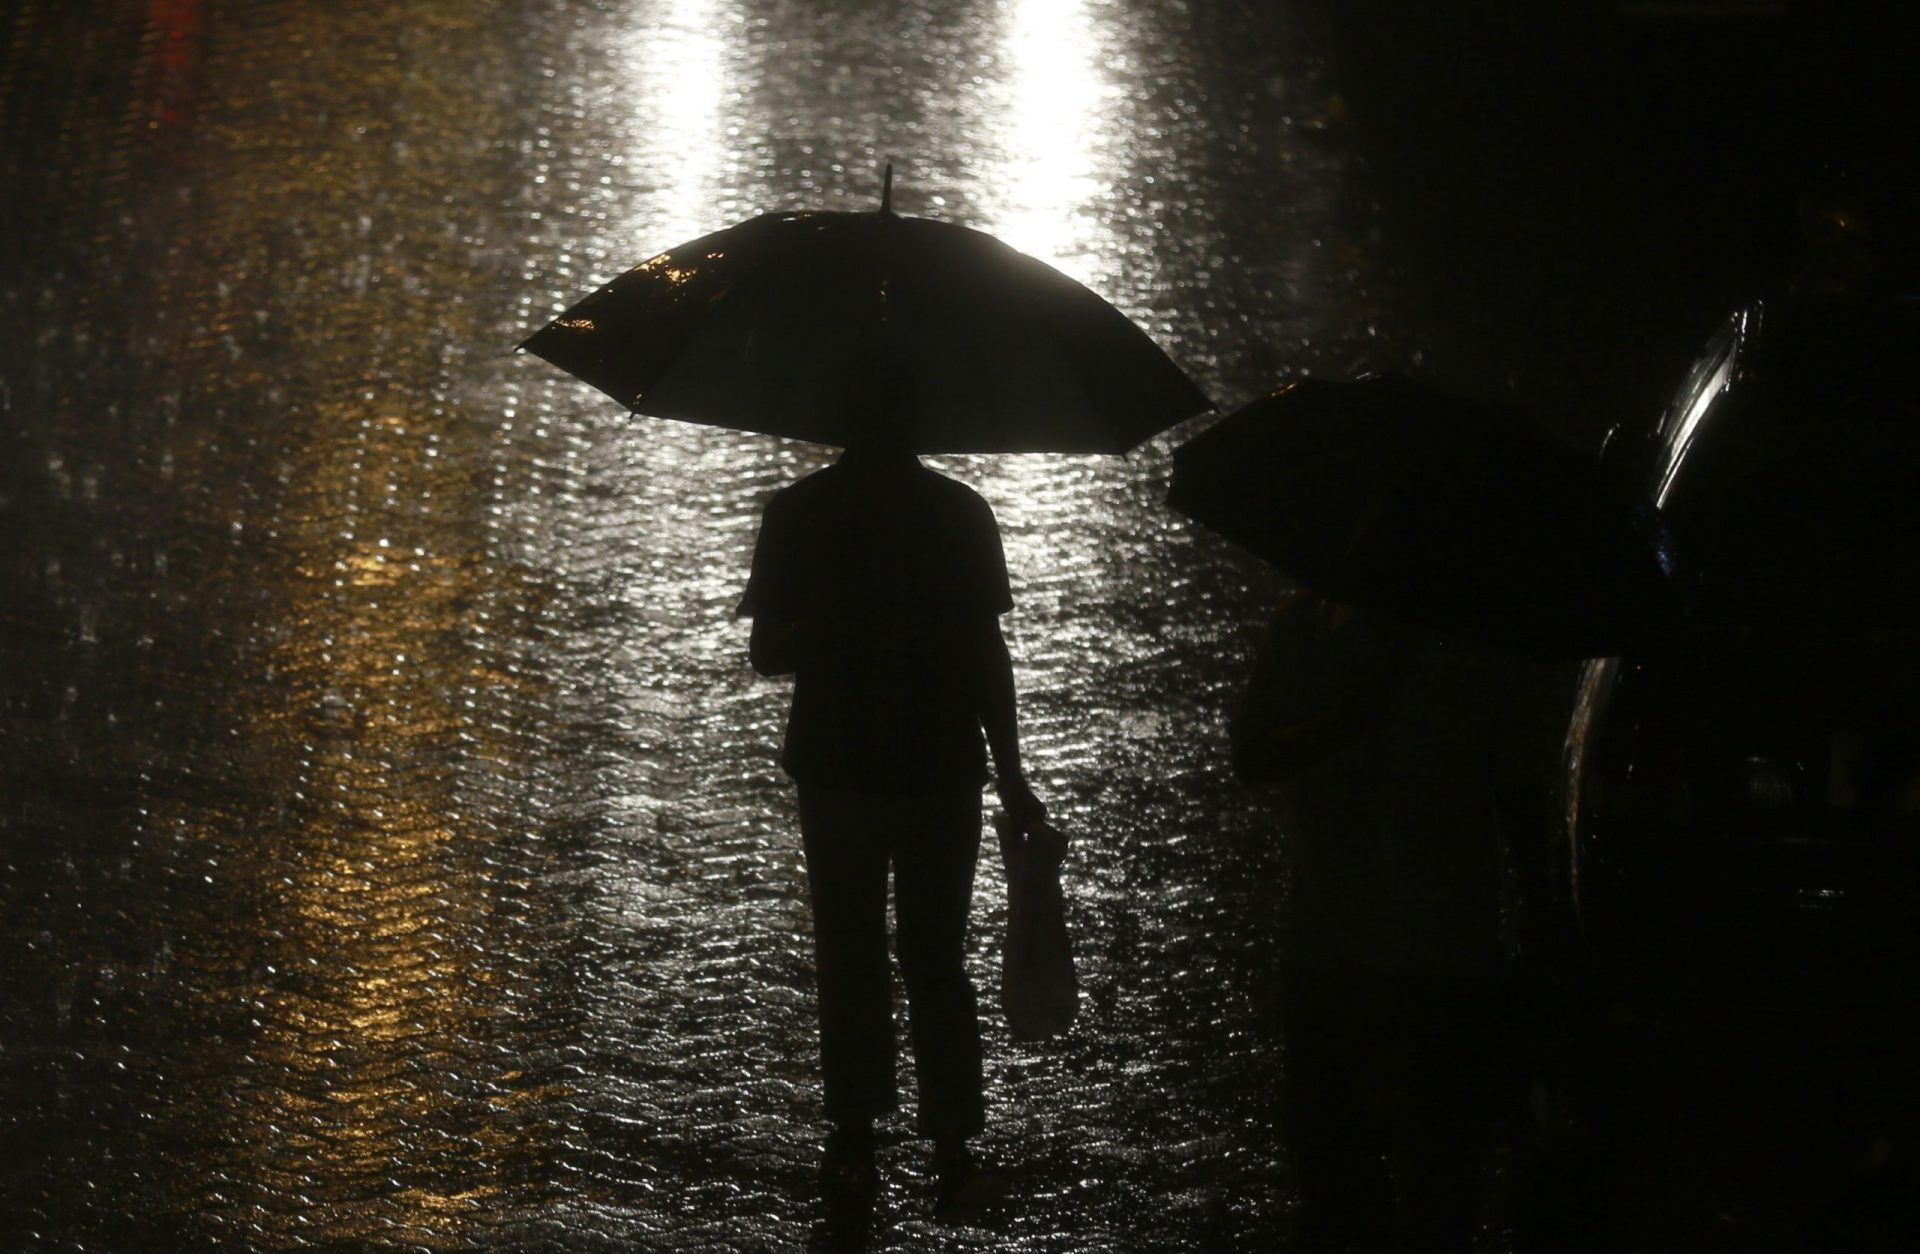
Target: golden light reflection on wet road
[382, 937]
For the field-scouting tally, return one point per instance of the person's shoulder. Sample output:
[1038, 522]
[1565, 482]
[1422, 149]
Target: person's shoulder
[954, 494]
[810, 487]
[965, 520]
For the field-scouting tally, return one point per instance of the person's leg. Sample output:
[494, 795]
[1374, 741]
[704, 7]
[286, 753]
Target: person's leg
[1334, 1109]
[934, 853]
[846, 851]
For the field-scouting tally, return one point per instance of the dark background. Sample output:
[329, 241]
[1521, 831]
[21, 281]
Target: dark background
[1578, 192]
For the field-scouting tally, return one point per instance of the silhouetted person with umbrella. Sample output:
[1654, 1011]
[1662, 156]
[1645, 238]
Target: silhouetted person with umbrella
[878, 585]
[1407, 705]
[1385, 735]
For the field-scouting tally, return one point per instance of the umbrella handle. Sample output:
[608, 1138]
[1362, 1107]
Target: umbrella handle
[886, 190]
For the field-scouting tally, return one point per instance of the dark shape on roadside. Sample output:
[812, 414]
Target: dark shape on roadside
[1385, 493]
[806, 325]
[1413, 786]
[1441, 540]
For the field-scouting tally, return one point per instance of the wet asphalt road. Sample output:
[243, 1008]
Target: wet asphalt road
[394, 851]
[394, 855]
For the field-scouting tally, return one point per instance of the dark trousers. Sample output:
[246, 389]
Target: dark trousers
[931, 842]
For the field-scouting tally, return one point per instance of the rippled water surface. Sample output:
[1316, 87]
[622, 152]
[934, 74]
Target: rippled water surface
[394, 851]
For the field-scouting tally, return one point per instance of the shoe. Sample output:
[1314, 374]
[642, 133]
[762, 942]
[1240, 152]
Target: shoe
[963, 1189]
[846, 1163]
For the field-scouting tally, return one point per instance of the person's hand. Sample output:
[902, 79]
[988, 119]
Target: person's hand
[1017, 799]
[1046, 844]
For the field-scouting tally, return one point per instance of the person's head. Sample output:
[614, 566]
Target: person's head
[878, 401]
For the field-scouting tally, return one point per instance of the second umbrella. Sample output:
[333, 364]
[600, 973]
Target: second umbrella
[1448, 513]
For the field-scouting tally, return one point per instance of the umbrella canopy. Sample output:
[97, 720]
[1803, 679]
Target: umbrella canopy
[1452, 514]
[808, 325]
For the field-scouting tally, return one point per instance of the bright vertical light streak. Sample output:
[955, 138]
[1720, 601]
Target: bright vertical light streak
[682, 101]
[1682, 439]
[1051, 131]
[680, 71]
[1050, 135]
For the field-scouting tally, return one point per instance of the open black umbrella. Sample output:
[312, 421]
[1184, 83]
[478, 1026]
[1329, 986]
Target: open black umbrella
[807, 325]
[1448, 513]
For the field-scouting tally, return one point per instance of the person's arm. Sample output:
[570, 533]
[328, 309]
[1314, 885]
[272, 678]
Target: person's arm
[993, 682]
[998, 715]
[1323, 673]
[1276, 731]
[776, 648]
[780, 636]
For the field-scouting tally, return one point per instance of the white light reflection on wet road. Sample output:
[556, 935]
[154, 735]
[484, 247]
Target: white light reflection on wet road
[677, 53]
[1049, 122]
[1051, 187]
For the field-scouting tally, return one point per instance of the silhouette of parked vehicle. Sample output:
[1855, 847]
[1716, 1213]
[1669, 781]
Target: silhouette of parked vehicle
[1741, 798]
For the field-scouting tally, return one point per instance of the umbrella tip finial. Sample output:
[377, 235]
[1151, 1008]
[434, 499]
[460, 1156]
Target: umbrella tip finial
[886, 189]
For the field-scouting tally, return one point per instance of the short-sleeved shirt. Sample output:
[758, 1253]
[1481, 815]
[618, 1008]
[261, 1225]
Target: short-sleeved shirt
[893, 567]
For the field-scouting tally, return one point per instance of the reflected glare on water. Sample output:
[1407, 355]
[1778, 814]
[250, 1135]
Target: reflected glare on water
[1049, 177]
[679, 82]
